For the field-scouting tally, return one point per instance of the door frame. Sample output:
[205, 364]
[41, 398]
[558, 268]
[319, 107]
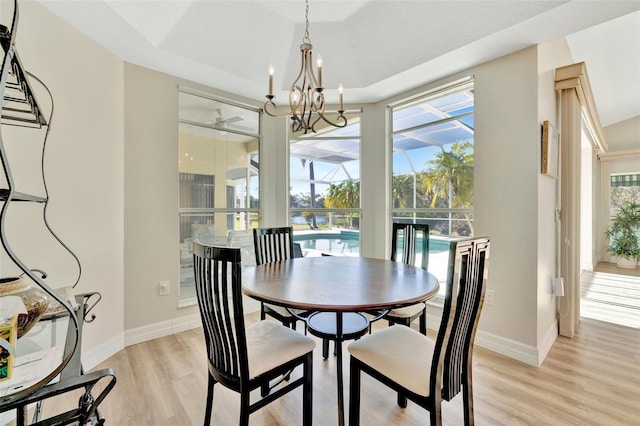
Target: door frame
[577, 107]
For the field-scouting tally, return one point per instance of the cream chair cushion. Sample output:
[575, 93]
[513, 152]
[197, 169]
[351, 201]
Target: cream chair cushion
[270, 344]
[407, 311]
[400, 353]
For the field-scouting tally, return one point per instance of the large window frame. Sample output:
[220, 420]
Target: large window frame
[437, 127]
[335, 154]
[414, 212]
[216, 125]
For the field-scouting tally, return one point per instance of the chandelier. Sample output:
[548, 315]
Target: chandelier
[306, 97]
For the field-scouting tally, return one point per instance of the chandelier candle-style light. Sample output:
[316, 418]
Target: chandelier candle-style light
[306, 97]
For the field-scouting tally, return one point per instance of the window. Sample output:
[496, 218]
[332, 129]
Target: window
[433, 160]
[624, 187]
[218, 163]
[324, 189]
[433, 166]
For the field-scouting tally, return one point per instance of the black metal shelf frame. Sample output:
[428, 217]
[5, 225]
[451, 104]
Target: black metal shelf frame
[20, 107]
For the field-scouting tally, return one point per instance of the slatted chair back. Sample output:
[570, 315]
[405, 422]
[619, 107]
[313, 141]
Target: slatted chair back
[408, 241]
[218, 281]
[273, 244]
[466, 285]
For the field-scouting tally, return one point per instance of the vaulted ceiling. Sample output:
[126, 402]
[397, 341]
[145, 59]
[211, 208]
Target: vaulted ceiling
[374, 48]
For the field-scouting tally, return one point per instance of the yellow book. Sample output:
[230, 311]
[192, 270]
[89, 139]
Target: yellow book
[8, 337]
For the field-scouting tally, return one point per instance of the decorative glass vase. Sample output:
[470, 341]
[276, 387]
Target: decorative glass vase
[35, 301]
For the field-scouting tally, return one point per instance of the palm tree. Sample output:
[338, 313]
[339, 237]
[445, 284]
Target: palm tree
[403, 191]
[312, 188]
[345, 195]
[450, 177]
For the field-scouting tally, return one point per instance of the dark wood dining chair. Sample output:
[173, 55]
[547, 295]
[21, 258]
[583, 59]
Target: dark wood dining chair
[272, 245]
[243, 359]
[408, 242]
[429, 371]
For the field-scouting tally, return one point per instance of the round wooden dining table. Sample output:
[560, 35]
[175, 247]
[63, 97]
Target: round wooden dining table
[341, 285]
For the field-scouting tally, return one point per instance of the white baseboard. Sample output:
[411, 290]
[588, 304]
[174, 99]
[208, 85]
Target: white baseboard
[511, 348]
[547, 342]
[507, 347]
[168, 327]
[161, 329]
[102, 352]
[138, 335]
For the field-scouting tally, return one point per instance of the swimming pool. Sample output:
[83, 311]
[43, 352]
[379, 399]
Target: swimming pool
[340, 241]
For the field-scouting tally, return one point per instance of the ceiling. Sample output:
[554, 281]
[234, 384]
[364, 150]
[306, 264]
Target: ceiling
[375, 48]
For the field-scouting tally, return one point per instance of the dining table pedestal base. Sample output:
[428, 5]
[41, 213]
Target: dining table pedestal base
[337, 326]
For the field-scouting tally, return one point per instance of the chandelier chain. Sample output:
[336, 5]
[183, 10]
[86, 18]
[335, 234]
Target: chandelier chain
[306, 38]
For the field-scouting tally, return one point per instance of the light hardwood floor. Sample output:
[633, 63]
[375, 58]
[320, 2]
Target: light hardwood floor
[611, 268]
[611, 294]
[593, 379]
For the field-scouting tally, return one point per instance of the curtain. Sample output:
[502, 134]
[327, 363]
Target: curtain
[625, 180]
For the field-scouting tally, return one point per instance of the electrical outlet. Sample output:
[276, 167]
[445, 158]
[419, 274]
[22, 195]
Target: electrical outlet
[490, 297]
[163, 288]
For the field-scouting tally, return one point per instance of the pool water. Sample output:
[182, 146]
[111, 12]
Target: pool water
[348, 242]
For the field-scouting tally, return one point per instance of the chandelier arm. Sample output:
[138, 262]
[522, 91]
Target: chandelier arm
[308, 124]
[302, 67]
[296, 96]
[314, 83]
[318, 106]
[338, 118]
[270, 104]
[296, 124]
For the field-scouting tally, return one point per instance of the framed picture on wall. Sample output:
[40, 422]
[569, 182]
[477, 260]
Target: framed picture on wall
[550, 149]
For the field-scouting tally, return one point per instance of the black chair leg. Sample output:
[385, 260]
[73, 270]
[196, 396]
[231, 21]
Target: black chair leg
[435, 416]
[325, 349]
[467, 393]
[244, 409]
[354, 394]
[264, 390]
[402, 401]
[423, 322]
[209, 405]
[307, 392]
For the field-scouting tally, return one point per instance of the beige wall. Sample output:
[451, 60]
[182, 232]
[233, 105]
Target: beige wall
[151, 195]
[506, 188]
[84, 170]
[623, 135]
[205, 148]
[550, 56]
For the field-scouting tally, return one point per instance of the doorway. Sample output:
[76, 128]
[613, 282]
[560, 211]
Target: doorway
[609, 293]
